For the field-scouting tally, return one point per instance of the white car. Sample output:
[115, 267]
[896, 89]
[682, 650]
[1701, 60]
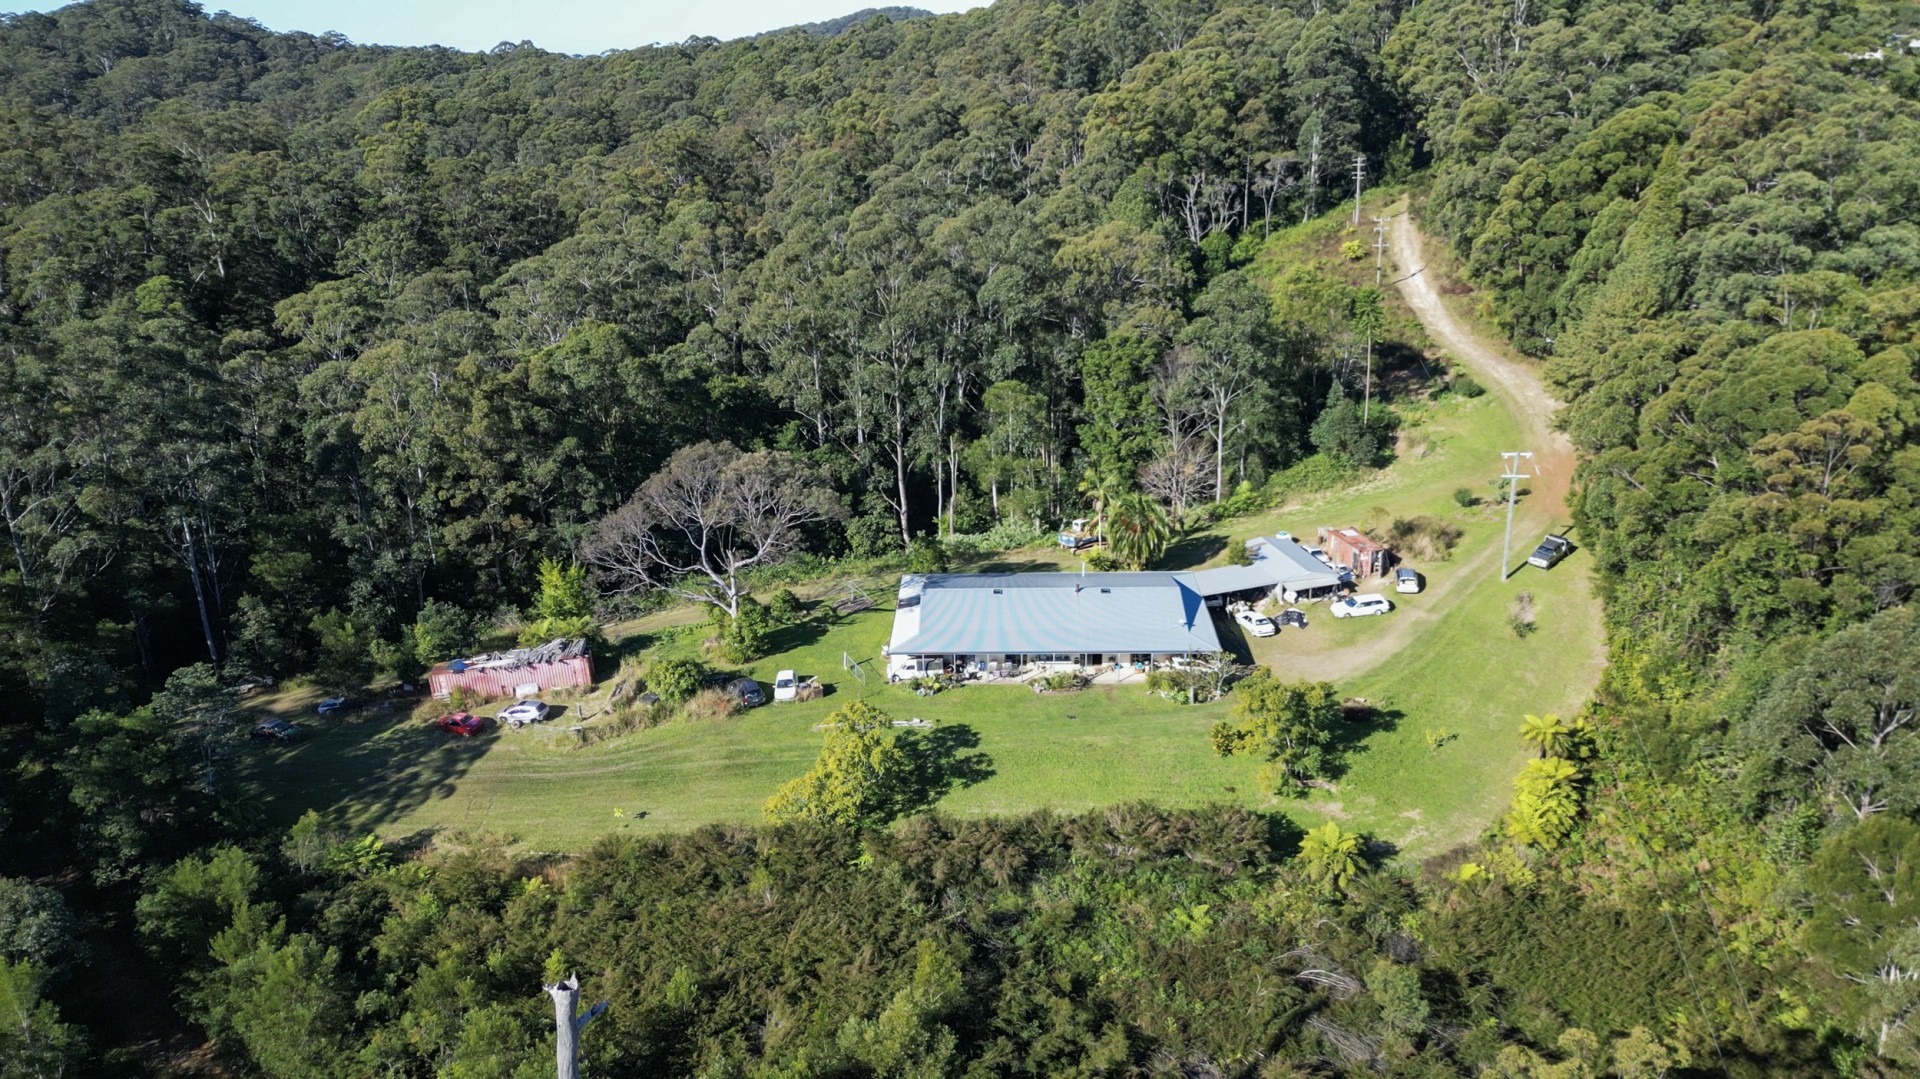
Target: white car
[1408, 580]
[331, 705]
[1356, 606]
[1319, 556]
[785, 686]
[524, 713]
[1255, 623]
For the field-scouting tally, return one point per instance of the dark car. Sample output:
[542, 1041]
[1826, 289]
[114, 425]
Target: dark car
[1551, 551]
[277, 729]
[464, 724]
[747, 692]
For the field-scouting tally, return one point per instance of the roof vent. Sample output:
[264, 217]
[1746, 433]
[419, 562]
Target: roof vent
[1106, 591]
[999, 591]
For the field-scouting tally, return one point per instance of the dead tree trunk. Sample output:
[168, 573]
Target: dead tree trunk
[566, 1027]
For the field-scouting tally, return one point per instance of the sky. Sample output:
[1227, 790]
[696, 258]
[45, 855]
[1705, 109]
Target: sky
[577, 26]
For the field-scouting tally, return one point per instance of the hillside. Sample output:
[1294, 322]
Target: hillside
[322, 363]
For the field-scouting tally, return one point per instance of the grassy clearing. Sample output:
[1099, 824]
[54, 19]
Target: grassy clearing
[1445, 661]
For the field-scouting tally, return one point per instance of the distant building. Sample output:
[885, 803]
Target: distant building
[1351, 548]
[521, 672]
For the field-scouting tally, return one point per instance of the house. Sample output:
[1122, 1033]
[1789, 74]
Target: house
[1015, 622]
[1351, 548]
[520, 672]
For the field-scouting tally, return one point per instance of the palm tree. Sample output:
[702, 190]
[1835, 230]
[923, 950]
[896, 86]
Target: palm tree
[1139, 529]
[1331, 856]
[1102, 489]
[1547, 734]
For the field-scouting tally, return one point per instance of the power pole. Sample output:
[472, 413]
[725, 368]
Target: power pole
[566, 1042]
[1359, 173]
[1511, 460]
[1379, 248]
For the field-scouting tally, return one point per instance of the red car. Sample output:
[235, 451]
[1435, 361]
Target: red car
[461, 723]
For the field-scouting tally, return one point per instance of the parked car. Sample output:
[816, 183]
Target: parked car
[785, 686]
[747, 692]
[1551, 551]
[1319, 555]
[1293, 616]
[277, 729]
[331, 705]
[1357, 606]
[1408, 580]
[524, 713]
[464, 724]
[1255, 623]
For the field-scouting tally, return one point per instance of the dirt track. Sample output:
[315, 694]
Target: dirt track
[1526, 396]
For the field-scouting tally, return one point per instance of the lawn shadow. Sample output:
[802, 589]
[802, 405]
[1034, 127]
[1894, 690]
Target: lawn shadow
[939, 761]
[619, 651]
[795, 635]
[1232, 641]
[1016, 565]
[1193, 550]
[1359, 722]
[366, 774]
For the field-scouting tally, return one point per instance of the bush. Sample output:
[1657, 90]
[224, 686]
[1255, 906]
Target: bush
[710, 704]
[1353, 250]
[1465, 498]
[926, 555]
[744, 636]
[1008, 535]
[785, 606]
[1464, 385]
[441, 631]
[1061, 682]
[1102, 562]
[1239, 554]
[1427, 538]
[676, 679]
[1520, 616]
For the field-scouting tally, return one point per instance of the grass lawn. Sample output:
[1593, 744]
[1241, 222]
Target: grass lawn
[1444, 662]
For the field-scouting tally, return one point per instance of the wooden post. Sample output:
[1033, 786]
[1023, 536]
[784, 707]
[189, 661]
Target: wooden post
[566, 1042]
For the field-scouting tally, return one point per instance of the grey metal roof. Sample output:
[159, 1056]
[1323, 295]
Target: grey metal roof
[1022, 613]
[1277, 563]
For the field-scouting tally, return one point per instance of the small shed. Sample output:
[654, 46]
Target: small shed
[1351, 548]
[521, 672]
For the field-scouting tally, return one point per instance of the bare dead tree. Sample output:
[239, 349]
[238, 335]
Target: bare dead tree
[1176, 477]
[710, 514]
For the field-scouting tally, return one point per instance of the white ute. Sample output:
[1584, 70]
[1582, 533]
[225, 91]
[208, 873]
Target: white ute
[785, 686]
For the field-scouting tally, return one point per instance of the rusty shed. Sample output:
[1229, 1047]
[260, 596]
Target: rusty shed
[1351, 548]
[558, 663]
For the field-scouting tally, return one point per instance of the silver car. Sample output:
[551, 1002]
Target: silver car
[524, 713]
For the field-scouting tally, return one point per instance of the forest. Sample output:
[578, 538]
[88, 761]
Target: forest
[306, 343]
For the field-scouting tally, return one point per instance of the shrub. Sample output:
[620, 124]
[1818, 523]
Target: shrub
[676, 679]
[744, 636]
[1428, 538]
[1353, 250]
[1239, 554]
[1061, 682]
[926, 555]
[711, 705]
[542, 630]
[785, 606]
[1102, 562]
[1465, 498]
[1520, 616]
[1464, 385]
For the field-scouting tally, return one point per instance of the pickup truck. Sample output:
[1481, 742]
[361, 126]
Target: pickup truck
[1551, 550]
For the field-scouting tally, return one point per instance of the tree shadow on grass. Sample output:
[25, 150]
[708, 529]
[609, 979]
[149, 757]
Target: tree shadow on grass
[1359, 722]
[1192, 550]
[364, 774]
[939, 761]
[796, 635]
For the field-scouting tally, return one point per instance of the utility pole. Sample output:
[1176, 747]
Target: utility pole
[566, 1042]
[1359, 173]
[1379, 248]
[1511, 460]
